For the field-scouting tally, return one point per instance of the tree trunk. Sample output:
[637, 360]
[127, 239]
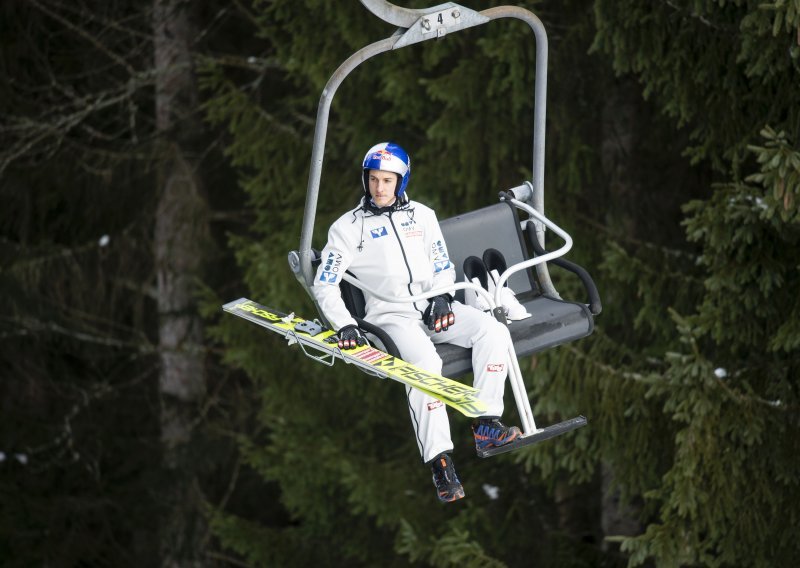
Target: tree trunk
[181, 233]
[577, 507]
[621, 111]
[617, 519]
[617, 151]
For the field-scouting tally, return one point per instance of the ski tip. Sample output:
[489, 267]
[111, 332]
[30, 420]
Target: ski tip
[231, 305]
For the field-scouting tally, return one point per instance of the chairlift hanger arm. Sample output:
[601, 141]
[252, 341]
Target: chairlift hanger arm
[413, 29]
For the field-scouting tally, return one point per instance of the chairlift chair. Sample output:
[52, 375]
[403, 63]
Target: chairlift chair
[554, 321]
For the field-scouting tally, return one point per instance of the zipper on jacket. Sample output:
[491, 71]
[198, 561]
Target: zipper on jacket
[405, 259]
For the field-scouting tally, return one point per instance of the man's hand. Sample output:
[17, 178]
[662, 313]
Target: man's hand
[350, 337]
[439, 315]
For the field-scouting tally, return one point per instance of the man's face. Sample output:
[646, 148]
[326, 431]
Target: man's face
[381, 187]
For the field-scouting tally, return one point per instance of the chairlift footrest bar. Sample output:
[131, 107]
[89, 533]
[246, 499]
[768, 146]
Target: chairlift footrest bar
[539, 436]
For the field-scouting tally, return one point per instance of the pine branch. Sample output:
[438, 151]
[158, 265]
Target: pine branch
[64, 442]
[626, 238]
[608, 369]
[30, 325]
[228, 559]
[85, 35]
[696, 16]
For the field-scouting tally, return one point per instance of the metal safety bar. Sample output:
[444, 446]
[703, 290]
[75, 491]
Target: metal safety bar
[565, 248]
[399, 16]
[325, 358]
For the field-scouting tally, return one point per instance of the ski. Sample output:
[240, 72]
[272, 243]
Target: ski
[320, 344]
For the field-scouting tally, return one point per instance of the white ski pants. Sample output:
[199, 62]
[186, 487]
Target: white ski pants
[489, 340]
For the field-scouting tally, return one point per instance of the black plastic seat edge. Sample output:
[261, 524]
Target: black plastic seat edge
[388, 344]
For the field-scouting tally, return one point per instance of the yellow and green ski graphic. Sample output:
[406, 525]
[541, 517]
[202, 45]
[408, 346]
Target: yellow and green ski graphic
[457, 395]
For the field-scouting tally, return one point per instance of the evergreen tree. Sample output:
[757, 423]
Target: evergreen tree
[81, 469]
[728, 389]
[74, 348]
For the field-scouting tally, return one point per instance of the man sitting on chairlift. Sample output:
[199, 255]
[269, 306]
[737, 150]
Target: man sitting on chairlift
[395, 246]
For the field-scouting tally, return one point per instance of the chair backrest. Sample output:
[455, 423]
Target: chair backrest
[353, 298]
[495, 226]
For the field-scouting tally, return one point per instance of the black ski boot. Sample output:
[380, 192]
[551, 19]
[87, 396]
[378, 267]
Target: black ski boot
[448, 487]
[491, 433]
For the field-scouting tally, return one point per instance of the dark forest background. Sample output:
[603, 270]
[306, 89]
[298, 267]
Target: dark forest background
[153, 164]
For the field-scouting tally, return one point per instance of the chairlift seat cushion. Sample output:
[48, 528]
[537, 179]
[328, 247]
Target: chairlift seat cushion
[553, 322]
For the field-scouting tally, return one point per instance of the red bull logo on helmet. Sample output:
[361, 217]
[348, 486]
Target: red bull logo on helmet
[382, 155]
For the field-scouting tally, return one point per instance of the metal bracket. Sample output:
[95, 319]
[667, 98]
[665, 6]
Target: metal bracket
[429, 23]
[310, 327]
[438, 23]
[397, 15]
[325, 358]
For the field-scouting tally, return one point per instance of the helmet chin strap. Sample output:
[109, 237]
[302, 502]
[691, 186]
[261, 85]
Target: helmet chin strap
[396, 205]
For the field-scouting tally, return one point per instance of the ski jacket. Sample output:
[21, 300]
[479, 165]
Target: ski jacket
[399, 252]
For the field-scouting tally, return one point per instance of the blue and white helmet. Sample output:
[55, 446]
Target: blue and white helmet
[388, 157]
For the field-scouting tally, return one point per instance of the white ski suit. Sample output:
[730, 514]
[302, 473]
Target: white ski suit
[401, 252]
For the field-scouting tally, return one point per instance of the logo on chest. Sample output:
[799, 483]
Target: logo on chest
[410, 229]
[378, 233]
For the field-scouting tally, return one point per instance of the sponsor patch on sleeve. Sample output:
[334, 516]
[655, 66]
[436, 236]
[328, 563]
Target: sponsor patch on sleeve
[331, 268]
[439, 256]
[439, 265]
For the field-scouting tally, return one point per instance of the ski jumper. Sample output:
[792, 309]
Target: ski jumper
[400, 252]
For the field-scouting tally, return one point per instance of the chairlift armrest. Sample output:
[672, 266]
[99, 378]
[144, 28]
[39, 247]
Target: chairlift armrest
[388, 343]
[595, 306]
